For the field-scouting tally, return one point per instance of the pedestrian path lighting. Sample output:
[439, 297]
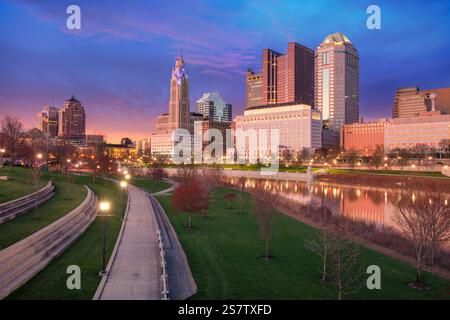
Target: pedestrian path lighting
[2, 152]
[104, 207]
[127, 176]
[123, 186]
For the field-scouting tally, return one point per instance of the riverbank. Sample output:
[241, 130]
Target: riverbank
[224, 251]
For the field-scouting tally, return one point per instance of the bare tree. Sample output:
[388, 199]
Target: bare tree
[263, 208]
[210, 177]
[185, 173]
[322, 246]
[346, 264]
[241, 186]
[411, 217]
[12, 130]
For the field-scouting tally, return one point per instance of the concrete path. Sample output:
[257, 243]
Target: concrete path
[135, 271]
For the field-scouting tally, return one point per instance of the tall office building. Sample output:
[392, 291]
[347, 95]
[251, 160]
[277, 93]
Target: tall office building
[179, 97]
[336, 87]
[295, 75]
[212, 106]
[72, 120]
[285, 78]
[409, 102]
[269, 76]
[48, 119]
[253, 88]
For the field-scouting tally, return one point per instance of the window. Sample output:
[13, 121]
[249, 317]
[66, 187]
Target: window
[325, 58]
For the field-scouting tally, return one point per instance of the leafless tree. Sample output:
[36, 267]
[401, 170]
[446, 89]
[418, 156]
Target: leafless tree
[241, 186]
[186, 173]
[210, 178]
[322, 246]
[263, 208]
[412, 218]
[12, 130]
[346, 263]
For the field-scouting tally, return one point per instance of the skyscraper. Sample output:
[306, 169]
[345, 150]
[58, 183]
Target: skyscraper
[212, 106]
[269, 76]
[48, 119]
[72, 120]
[253, 88]
[336, 88]
[295, 75]
[179, 97]
[409, 102]
[285, 78]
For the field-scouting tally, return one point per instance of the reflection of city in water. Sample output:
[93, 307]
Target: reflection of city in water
[356, 202]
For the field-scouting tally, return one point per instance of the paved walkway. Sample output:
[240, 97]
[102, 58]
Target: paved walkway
[135, 272]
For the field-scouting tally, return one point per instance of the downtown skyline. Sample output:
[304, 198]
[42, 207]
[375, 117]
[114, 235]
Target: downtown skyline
[118, 66]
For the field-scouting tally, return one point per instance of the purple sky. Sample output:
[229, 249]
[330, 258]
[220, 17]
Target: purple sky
[118, 65]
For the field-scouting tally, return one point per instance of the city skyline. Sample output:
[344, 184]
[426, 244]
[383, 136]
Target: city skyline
[219, 43]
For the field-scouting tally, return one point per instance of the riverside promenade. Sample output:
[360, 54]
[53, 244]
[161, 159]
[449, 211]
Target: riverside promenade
[134, 273]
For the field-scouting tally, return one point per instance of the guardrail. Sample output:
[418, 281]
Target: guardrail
[24, 259]
[164, 276]
[11, 209]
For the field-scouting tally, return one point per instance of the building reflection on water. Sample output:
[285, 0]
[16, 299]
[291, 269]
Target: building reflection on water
[356, 202]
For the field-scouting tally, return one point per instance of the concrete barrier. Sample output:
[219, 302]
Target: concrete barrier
[11, 209]
[24, 259]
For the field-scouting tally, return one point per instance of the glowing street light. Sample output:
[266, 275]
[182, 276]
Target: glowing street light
[123, 186]
[104, 207]
[127, 176]
[39, 156]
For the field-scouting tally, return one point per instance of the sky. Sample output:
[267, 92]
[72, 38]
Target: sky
[119, 64]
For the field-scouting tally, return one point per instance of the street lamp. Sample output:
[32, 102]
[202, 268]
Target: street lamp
[127, 176]
[2, 152]
[123, 185]
[104, 207]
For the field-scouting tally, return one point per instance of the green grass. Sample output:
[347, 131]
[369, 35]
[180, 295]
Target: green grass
[224, 253]
[389, 172]
[86, 252]
[150, 185]
[19, 184]
[68, 196]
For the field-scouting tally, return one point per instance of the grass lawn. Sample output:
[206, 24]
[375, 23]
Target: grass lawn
[69, 194]
[86, 252]
[389, 172]
[224, 253]
[150, 185]
[19, 184]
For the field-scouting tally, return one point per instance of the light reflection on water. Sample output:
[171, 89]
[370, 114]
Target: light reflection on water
[356, 202]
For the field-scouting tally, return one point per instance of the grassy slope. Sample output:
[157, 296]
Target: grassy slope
[86, 252]
[68, 196]
[149, 185]
[224, 253]
[390, 172]
[19, 184]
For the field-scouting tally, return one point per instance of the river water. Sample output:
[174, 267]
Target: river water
[369, 204]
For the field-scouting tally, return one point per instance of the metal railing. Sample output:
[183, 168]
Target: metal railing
[164, 277]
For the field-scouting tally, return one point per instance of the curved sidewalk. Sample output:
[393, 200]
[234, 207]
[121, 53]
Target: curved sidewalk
[135, 272]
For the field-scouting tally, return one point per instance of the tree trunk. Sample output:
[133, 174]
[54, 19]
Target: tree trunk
[267, 249]
[189, 221]
[419, 269]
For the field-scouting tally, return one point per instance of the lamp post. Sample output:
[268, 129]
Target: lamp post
[104, 207]
[2, 152]
[123, 186]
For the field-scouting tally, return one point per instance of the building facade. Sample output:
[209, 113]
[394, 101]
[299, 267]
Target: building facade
[144, 147]
[284, 78]
[363, 137]
[203, 136]
[48, 121]
[212, 106]
[253, 89]
[336, 87]
[427, 128]
[72, 121]
[299, 127]
[409, 102]
[179, 97]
